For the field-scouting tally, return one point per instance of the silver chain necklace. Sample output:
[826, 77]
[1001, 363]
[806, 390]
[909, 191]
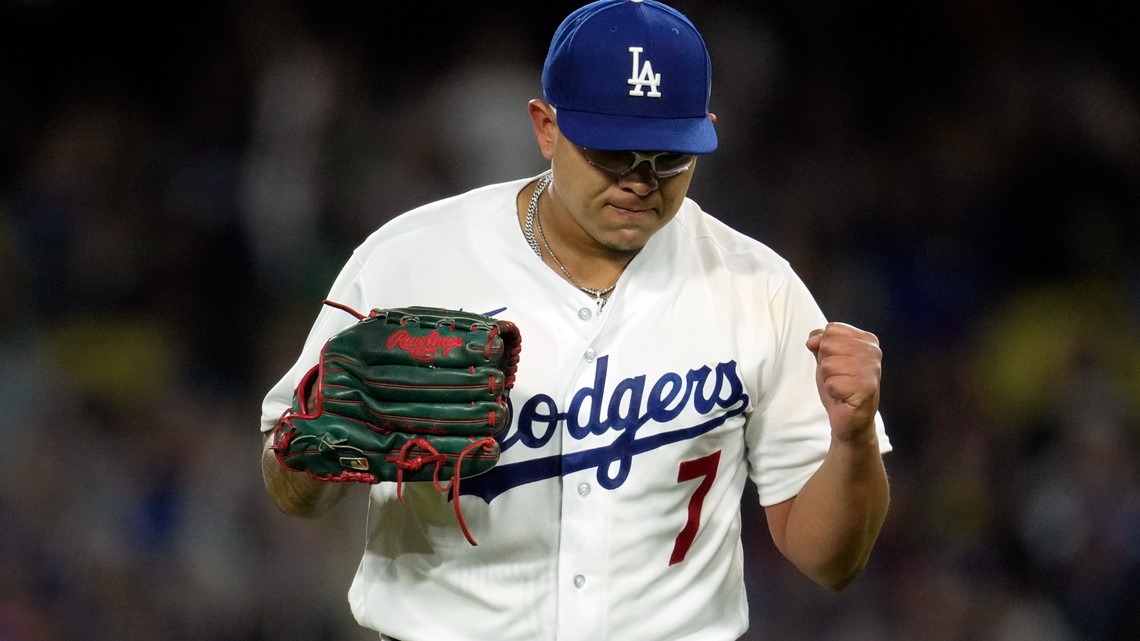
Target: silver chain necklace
[528, 231]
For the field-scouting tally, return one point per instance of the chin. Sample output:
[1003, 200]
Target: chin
[627, 245]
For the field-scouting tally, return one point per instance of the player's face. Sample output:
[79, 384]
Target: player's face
[614, 206]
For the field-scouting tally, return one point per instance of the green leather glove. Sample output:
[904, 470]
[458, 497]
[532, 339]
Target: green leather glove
[407, 394]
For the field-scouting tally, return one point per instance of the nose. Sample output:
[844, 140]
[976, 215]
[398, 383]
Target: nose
[641, 180]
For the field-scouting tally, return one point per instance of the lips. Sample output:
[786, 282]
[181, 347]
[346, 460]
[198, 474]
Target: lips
[632, 208]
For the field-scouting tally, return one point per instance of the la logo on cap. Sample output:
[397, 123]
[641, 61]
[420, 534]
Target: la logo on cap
[647, 77]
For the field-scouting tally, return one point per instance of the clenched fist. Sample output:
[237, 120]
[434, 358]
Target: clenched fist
[849, 364]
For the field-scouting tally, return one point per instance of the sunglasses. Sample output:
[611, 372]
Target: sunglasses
[664, 164]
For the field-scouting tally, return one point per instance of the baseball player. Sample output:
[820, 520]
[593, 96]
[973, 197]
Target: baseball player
[665, 360]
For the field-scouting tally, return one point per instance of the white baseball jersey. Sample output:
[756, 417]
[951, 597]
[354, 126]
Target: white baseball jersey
[614, 510]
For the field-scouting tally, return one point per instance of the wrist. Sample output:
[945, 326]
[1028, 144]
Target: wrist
[865, 437]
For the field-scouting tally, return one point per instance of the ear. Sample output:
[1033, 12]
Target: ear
[545, 127]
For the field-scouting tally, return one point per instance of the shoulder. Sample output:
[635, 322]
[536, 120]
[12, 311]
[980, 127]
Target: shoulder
[713, 240]
[444, 219]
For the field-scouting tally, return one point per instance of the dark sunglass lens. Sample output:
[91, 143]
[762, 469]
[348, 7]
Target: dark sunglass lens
[618, 162]
[667, 163]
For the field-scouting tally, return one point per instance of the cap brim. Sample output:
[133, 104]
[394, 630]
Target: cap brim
[633, 133]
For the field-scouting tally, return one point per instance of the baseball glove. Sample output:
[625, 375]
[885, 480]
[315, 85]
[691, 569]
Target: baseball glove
[413, 394]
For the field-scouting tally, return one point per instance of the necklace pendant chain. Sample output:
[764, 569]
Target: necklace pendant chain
[532, 212]
[533, 221]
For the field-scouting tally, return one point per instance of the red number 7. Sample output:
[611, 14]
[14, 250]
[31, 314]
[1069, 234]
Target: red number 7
[702, 467]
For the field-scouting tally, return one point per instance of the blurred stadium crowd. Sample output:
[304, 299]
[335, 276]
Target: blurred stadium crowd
[180, 183]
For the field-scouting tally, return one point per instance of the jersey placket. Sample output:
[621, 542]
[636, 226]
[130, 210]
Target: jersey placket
[585, 508]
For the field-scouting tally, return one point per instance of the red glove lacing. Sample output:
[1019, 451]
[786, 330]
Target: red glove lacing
[426, 454]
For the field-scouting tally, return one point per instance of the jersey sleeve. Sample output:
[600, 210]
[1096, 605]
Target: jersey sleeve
[347, 290]
[788, 434]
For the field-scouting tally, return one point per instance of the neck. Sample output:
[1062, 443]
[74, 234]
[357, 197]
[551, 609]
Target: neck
[590, 270]
[587, 266]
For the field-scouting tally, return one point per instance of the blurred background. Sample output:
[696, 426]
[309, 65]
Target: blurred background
[180, 182]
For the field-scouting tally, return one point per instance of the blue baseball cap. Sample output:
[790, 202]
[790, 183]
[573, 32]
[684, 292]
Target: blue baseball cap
[631, 75]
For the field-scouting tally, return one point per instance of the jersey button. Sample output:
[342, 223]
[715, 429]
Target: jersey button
[585, 313]
[579, 580]
[590, 355]
[583, 490]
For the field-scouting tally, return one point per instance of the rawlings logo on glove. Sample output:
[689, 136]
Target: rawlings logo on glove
[408, 394]
[423, 348]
